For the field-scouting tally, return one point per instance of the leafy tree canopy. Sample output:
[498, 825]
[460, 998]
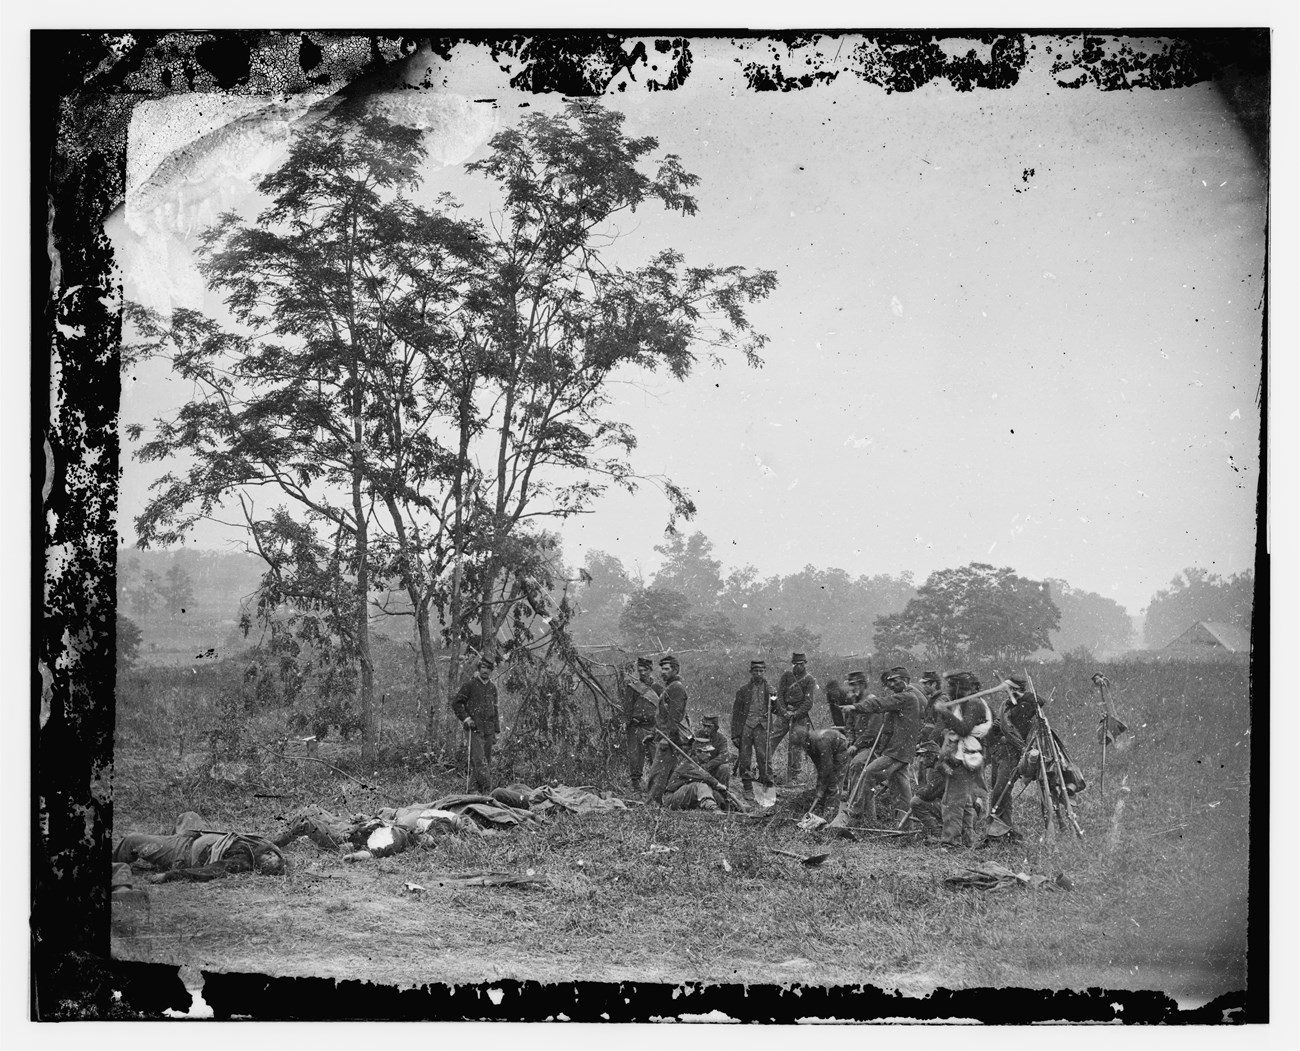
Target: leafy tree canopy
[974, 611]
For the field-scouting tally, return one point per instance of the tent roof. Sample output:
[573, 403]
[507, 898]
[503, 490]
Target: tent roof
[1232, 637]
[1229, 636]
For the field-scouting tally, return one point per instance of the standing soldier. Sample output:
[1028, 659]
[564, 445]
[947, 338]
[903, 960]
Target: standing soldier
[670, 723]
[640, 704]
[965, 725]
[1016, 720]
[930, 778]
[871, 734]
[902, 709]
[794, 697]
[751, 712]
[837, 698]
[475, 705]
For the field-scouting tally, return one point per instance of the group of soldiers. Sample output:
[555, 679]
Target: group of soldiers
[936, 752]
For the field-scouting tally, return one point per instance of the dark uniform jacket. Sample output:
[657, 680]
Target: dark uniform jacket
[1015, 720]
[829, 751]
[902, 713]
[836, 696]
[750, 707]
[720, 745]
[869, 723]
[670, 718]
[478, 701]
[963, 718]
[795, 696]
[688, 770]
[641, 702]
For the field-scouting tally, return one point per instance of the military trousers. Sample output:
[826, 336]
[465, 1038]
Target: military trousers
[692, 796]
[754, 751]
[661, 770]
[965, 787]
[640, 747]
[480, 761]
[794, 756]
[883, 769]
[1007, 759]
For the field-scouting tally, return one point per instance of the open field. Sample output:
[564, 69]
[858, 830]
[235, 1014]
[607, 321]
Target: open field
[1159, 897]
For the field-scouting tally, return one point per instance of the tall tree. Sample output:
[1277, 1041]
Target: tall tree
[1089, 622]
[976, 611]
[654, 619]
[320, 389]
[552, 318]
[1197, 594]
[604, 592]
[690, 569]
[178, 590]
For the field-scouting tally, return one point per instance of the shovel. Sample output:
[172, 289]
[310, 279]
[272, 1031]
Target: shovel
[764, 795]
[811, 861]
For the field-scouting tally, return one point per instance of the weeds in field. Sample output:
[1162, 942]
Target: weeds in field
[646, 892]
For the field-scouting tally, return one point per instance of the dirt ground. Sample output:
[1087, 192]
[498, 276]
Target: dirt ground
[644, 895]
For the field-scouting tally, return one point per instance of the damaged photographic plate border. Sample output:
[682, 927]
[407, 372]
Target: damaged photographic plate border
[141, 132]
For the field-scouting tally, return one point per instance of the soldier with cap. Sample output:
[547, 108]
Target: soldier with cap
[640, 705]
[751, 712]
[670, 725]
[1015, 723]
[837, 699]
[930, 779]
[902, 709]
[692, 785]
[475, 705]
[965, 725]
[717, 750]
[794, 694]
[829, 751]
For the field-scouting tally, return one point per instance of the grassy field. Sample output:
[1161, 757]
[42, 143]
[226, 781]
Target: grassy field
[1159, 898]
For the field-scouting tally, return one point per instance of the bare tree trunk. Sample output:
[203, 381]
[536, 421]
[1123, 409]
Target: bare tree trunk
[458, 539]
[369, 716]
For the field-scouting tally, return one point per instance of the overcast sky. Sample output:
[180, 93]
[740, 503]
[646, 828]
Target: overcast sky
[1017, 326]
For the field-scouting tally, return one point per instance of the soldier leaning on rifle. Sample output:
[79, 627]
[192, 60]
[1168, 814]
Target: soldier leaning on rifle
[829, 751]
[794, 694]
[670, 722]
[902, 709]
[475, 705]
[965, 727]
[749, 719]
[1007, 739]
[692, 785]
[640, 705]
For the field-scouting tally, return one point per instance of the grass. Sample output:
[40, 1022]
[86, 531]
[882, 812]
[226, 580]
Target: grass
[1150, 908]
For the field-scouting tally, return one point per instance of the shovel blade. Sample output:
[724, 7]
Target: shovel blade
[765, 796]
[997, 828]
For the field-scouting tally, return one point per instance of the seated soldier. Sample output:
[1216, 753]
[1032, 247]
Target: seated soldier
[691, 786]
[193, 852]
[719, 764]
[829, 751]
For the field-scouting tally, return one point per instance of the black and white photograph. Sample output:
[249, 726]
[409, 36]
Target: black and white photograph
[624, 526]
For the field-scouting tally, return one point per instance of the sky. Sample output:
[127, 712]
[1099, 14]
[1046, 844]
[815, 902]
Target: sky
[1018, 326]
